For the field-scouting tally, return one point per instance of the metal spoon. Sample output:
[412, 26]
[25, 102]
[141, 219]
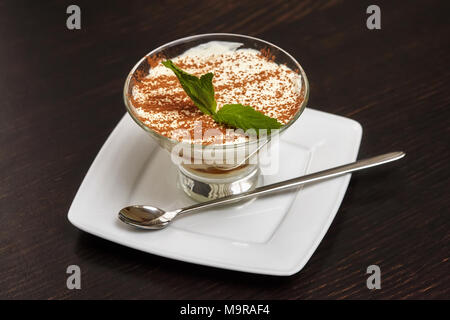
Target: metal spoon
[148, 217]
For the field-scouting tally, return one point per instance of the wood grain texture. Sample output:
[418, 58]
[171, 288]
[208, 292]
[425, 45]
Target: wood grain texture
[61, 97]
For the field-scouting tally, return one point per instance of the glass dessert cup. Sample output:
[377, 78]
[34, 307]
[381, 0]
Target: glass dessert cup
[211, 171]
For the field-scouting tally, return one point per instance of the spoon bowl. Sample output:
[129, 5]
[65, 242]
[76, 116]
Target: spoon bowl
[146, 217]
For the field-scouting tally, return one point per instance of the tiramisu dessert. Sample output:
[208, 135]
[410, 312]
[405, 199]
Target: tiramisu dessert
[242, 78]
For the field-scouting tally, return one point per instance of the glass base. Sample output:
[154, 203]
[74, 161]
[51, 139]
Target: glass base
[203, 185]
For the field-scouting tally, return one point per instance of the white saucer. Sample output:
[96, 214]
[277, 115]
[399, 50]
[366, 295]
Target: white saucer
[273, 235]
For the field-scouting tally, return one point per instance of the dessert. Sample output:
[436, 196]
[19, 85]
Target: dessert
[213, 92]
[241, 76]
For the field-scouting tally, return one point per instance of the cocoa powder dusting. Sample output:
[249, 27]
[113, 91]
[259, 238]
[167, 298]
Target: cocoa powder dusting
[250, 78]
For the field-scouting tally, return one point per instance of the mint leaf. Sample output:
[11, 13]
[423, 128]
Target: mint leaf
[200, 90]
[245, 117]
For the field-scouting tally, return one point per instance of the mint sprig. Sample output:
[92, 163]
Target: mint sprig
[201, 91]
[245, 117]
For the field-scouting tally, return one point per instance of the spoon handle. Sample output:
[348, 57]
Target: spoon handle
[295, 182]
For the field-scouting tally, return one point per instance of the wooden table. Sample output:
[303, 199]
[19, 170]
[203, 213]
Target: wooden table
[61, 97]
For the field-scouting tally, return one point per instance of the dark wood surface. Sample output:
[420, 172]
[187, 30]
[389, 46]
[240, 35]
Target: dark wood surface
[61, 96]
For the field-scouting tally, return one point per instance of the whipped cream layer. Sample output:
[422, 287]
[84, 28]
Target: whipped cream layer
[243, 76]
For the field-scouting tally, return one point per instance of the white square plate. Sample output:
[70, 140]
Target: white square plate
[270, 235]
